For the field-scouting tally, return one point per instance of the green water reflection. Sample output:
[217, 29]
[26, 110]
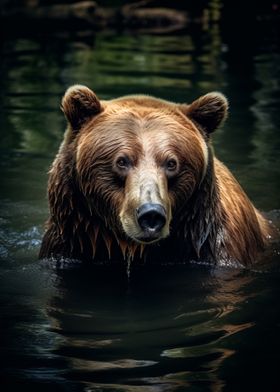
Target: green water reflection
[36, 71]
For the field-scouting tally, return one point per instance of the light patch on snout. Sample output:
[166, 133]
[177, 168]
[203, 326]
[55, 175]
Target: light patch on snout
[145, 186]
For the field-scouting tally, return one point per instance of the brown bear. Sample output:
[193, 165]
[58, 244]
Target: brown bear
[136, 179]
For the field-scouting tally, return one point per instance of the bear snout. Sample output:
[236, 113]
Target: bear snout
[151, 218]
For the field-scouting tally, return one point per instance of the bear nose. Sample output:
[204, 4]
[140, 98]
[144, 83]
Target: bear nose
[151, 217]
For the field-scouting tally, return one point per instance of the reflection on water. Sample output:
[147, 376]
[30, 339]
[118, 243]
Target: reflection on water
[190, 328]
[95, 331]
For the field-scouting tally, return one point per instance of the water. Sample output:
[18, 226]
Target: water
[188, 328]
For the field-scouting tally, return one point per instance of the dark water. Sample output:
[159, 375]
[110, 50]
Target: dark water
[192, 328]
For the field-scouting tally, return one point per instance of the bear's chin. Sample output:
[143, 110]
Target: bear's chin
[147, 239]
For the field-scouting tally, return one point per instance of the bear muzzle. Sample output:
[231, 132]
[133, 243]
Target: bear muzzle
[151, 218]
[146, 213]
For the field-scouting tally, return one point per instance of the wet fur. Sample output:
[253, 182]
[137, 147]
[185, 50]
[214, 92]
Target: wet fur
[211, 217]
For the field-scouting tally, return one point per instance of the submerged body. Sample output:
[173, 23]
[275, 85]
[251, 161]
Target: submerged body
[136, 179]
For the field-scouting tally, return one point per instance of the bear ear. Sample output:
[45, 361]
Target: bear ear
[209, 111]
[79, 104]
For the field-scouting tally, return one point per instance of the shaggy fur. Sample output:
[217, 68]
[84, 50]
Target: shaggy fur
[117, 155]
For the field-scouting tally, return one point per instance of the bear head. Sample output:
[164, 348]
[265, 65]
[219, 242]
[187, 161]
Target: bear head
[139, 160]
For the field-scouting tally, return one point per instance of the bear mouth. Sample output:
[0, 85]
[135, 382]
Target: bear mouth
[148, 237]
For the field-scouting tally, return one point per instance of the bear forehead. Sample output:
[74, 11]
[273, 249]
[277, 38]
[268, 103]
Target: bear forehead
[135, 115]
[144, 107]
[138, 126]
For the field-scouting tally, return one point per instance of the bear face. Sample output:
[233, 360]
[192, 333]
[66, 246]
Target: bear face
[139, 172]
[138, 158]
[136, 174]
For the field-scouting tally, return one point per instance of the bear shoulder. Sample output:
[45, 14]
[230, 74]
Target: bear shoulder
[243, 223]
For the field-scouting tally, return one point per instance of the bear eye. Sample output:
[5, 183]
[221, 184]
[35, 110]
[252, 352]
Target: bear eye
[123, 163]
[171, 165]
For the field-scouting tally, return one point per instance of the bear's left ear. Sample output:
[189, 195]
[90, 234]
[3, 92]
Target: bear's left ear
[79, 104]
[209, 111]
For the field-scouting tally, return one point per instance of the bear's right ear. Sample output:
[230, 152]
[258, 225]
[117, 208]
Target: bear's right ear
[79, 104]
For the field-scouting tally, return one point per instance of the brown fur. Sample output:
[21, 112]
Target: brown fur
[115, 157]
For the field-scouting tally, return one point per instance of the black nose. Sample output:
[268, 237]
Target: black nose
[151, 217]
